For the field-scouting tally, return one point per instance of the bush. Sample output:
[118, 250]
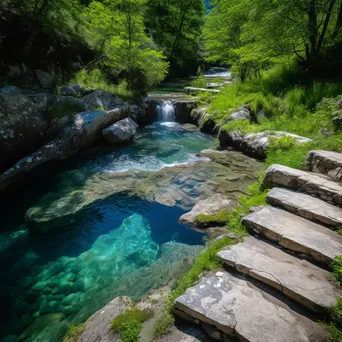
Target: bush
[96, 79]
[199, 82]
[129, 324]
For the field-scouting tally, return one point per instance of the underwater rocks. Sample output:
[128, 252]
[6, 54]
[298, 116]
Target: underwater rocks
[64, 285]
[180, 185]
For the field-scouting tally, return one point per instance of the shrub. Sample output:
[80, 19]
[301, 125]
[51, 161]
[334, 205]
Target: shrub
[199, 82]
[129, 324]
[96, 79]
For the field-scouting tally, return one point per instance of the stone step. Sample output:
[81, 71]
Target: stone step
[295, 233]
[319, 185]
[326, 162]
[303, 282]
[307, 206]
[238, 308]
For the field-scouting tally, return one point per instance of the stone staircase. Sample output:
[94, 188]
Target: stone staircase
[277, 283]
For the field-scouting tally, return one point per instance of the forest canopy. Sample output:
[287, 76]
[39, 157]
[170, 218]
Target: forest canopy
[250, 34]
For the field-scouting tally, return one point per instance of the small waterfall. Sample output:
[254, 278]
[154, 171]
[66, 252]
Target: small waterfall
[166, 112]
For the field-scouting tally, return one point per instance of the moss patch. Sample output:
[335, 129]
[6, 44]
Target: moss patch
[129, 324]
[163, 325]
[219, 219]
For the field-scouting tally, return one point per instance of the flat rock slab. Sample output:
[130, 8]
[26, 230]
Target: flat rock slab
[326, 162]
[295, 233]
[238, 308]
[98, 326]
[192, 90]
[298, 279]
[318, 185]
[306, 206]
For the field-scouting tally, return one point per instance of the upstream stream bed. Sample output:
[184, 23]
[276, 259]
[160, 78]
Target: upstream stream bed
[105, 224]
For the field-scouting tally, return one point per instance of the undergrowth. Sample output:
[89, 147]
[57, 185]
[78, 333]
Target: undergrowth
[163, 325]
[95, 79]
[73, 333]
[129, 324]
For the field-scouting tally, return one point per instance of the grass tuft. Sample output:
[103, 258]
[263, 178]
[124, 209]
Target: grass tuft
[73, 333]
[129, 324]
[163, 325]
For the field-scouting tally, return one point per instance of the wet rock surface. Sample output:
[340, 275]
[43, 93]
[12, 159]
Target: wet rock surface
[120, 132]
[181, 185]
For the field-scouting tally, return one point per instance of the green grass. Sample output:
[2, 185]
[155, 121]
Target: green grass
[73, 333]
[129, 324]
[199, 82]
[163, 325]
[219, 219]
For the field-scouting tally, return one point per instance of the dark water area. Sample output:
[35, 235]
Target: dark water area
[119, 245]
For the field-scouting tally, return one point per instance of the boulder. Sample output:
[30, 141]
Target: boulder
[23, 123]
[203, 119]
[85, 129]
[242, 113]
[101, 99]
[183, 109]
[150, 114]
[72, 90]
[122, 131]
[210, 206]
[255, 144]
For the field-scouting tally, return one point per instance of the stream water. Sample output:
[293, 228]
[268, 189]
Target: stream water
[119, 245]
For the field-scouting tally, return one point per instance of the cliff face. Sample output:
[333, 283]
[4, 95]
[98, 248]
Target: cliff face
[32, 55]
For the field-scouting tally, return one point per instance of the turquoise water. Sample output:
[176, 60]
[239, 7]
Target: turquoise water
[119, 245]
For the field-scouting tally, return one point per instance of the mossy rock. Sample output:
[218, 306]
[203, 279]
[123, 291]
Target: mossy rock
[219, 219]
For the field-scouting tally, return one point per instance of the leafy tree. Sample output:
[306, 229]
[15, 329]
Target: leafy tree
[115, 29]
[175, 25]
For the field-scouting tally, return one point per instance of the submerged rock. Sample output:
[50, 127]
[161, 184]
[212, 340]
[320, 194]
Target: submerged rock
[180, 185]
[122, 131]
[210, 206]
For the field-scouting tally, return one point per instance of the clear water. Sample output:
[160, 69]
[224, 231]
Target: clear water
[121, 245]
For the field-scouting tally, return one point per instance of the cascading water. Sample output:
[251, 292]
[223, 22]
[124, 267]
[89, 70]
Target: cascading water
[166, 112]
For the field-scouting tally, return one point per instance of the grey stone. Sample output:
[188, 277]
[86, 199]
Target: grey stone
[306, 206]
[298, 279]
[101, 99]
[122, 131]
[98, 328]
[185, 334]
[326, 162]
[319, 185]
[193, 90]
[210, 206]
[81, 133]
[256, 144]
[183, 110]
[238, 308]
[214, 85]
[296, 233]
[240, 114]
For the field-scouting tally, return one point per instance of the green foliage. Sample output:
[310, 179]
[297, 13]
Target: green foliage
[219, 219]
[64, 108]
[96, 79]
[252, 35]
[163, 325]
[73, 333]
[129, 324]
[337, 268]
[199, 82]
